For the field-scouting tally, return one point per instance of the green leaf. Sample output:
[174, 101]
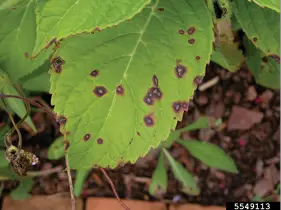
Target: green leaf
[262, 26]
[266, 73]
[182, 174]
[60, 19]
[38, 80]
[159, 180]
[227, 53]
[210, 154]
[7, 174]
[56, 150]
[3, 160]
[201, 122]
[272, 4]
[3, 130]
[22, 191]
[14, 104]
[105, 78]
[81, 175]
[17, 40]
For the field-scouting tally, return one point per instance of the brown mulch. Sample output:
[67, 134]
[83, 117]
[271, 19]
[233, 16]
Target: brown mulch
[249, 133]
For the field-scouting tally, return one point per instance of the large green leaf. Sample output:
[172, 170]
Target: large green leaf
[22, 191]
[17, 40]
[120, 92]
[159, 180]
[262, 25]
[210, 154]
[58, 19]
[14, 104]
[183, 175]
[266, 71]
[272, 4]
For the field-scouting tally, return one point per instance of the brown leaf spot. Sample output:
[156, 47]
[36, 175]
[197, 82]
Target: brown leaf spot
[198, 80]
[276, 58]
[100, 141]
[94, 73]
[66, 145]
[148, 120]
[156, 93]
[185, 106]
[138, 133]
[87, 137]
[177, 106]
[191, 41]
[148, 100]
[57, 63]
[191, 30]
[161, 9]
[26, 55]
[120, 90]
[198, 58]
[255, 39]
[155, 80]
[61, 120]
[181, 32]
[180, 70]
[97, 29]
[100, 91]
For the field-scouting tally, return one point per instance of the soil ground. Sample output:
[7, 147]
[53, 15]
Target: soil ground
[256, 150]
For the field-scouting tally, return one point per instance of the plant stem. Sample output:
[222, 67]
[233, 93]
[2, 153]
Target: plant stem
[113, 189]
[73, 203]
[7, 136]
[45, 172]
[29, 101]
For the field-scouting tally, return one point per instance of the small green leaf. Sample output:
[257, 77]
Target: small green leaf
[272, 4]
[159, 181]
[104, 90]
[201, 122]
[210, 154]
[261, 25]
[182, 174]
[56, 150]
[14, 104]
[22, 191]
[59, 19]
[3, 160]
[266, 71]
[80, 178]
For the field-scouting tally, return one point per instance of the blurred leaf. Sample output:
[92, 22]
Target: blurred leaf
[227, 53]
[201, 122]
[266, 71]
[3, 131]
[159, 179]
[235, 25]
[256, 198]
[182, 174]
[7, 174]
[3, 160]
[56, 150]
[80, 178]
[16, 105]
[22, 191]
[210, 154]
